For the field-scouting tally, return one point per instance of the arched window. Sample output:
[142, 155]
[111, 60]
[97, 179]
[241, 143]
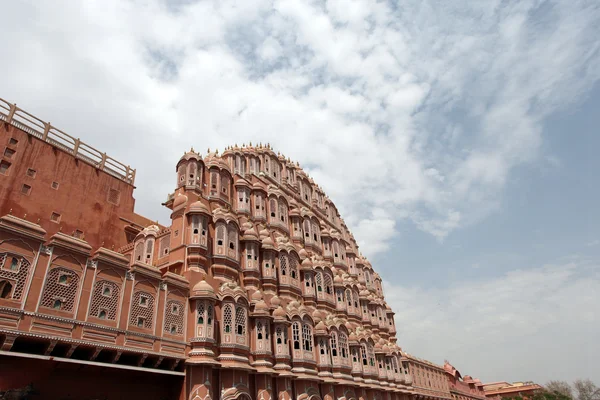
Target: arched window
[259, 205]
[349, 298]
[259, 330]
[363, 354]
[283, 211]
[307, 230]
[315, 232]
[232, 236]
[240, 320]
[343, 345]
[279, 335]
[225, 185]
[336, 250]
[371, 355]
[227, 318]
[201, 313]
[319, 278]
[221, 237]
[356, 301]
[283, 264]
[307, 337]
[214, 183]
[139, 250]
[293, 267]
[296, 335]
[149, 248]
[328, 284]
[273, 210]
[322, 347]
[333, 344]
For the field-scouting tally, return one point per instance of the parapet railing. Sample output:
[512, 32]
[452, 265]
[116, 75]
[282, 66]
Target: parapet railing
[34, 126]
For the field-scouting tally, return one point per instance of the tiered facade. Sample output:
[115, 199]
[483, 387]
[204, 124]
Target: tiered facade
[256, 289]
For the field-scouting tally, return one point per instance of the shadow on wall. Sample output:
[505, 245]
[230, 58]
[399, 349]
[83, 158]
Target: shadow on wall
[27, 379]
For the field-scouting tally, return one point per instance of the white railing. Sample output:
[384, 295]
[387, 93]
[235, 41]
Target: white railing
[34, 126]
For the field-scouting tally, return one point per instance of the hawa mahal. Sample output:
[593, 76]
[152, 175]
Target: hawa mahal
[255, 290]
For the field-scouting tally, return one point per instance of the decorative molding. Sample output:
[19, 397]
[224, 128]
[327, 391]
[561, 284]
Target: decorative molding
[130, 275]
[47, 250]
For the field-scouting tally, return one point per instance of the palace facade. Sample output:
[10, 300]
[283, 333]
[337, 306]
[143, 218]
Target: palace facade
[255, 290]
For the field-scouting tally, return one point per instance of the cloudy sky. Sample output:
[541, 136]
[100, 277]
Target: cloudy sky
[459, 140]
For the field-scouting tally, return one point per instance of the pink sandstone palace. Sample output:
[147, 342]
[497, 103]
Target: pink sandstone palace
[256, 289]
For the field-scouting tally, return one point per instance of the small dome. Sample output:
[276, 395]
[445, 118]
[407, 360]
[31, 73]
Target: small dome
[307, 264]
[203, 289]
[256, 296]
[352, 337]
[338, 279]
[303, 253]
[275, 301]
[321, 326]
[261, 306]
[198, 207]
[179, 200]
[279, 312]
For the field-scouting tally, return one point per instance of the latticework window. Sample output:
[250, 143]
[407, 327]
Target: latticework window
[296, 335]
[163, 246]
[333, 344]
[142, 310]
[363, 354]
[105, 298]
[319, 279]
[394, 364]
[139, 251]
[283, 211]
[149, 248]
[371, 355]
[240, 320]
[328, 284]
[293, 267]
[259, 205]
[260, 330]
[220, 242]
[322, 347]
[225, 184]
[174, 317]
[16, 269]
[336, 250]
[227, 318]
[201, 312]
[60, 291]
[315, 232]
[232, 236]
[356, 301]
[283, 264]
[343, 344]
[349, 298]
[214, 183]
[307, 229]
[307, 337]
[273, 210]
[243, 197]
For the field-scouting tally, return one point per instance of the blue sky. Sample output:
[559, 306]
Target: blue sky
[458, 139]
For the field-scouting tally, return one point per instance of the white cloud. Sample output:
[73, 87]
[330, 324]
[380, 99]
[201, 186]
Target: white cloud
[421, 109]
[507, 327]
